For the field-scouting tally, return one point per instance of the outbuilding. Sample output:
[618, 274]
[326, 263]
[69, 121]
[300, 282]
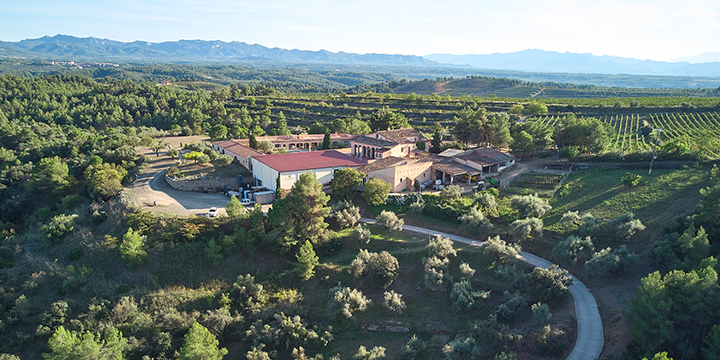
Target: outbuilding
[267, 168]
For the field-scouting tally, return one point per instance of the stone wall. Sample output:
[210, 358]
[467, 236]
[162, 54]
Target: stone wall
[201, 184]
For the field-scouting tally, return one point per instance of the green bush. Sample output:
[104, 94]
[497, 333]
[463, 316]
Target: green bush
[546, 154]
[631, 180]
[59, 227]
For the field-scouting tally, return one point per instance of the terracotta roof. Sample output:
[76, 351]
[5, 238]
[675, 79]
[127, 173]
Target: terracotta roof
[299, 138]
[374, 142]
[385, 163]
[309, 160]
[237, 148]
[400, 136]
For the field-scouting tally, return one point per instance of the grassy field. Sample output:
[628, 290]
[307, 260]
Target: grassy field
[655, 200]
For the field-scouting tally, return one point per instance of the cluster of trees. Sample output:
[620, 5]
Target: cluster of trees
[675, 311]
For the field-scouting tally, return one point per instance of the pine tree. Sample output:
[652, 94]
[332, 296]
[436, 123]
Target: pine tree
[253, 142]
[307, 260]
[326, 144]
[200, 344]
[132, 249]
[306, 202]
[234, 208]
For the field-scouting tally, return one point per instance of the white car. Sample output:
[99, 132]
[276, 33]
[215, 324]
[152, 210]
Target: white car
[246, 202]
[213, 212]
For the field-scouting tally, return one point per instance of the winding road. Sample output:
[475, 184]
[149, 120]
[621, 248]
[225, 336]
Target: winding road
[590, 336]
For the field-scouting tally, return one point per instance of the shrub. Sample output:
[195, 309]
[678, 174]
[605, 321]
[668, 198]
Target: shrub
[224, 160]
[476, 222]
[390, 221]
[495, 335]
[417, 206]
[545, 154]
[466, 270]
[626, 225]
[569, 152]
[464, 298]
[607, 262]
[393, 302]
[631, 180]
[378, 352]
[414, 347]
[541, 313]
[573, 248]
[173, 171]
[59, 227]
[530, 205]
[550, 283]
[380, 269]
[213, 253]
[461, 349]
[524, 229]
[450, 193]
[501, 250]
[440, 247]
[347, 300]
[486, 200]
[363, 233]
[551, 341]
[512, 276]
[346, 214]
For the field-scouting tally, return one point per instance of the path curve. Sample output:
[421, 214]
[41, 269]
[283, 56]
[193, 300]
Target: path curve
[590, 336]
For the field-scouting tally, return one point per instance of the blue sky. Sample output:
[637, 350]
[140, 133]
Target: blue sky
[657, 30]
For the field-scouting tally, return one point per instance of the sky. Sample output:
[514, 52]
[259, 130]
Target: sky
[657, 30]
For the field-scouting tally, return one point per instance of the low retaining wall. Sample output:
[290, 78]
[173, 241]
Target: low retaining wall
[200, 184]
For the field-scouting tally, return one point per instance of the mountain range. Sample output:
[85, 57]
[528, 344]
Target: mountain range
[535, 60]
[64, 47]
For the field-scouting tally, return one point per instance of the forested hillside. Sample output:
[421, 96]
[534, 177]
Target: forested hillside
[83, 269]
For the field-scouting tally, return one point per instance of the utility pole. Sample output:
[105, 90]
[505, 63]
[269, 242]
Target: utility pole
[654, 156]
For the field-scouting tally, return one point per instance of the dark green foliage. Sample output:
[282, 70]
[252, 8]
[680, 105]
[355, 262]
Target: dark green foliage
[73, 254]
[387, 119]
[550, 283]
[573, 248]
[465, 349]
[551, 341]
[213, 253]
[306, 211]
[307, 260]
[495, 335]
[376, 191]
[569, 152]
[59, 227]
[345, 182]
[380, 269]
[200, 344]
[346, 214]
[6, 257]
[685, 251]
[347, 301]
[606, 262]
[132, 249]
[678, 305]
[65, 344]
[464, 298]
[631, 180]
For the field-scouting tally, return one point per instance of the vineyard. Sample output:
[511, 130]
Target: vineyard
[633, 132]
[532, 183]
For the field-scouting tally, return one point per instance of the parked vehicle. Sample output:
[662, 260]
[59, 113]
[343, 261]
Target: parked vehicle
[213, 212]
[246, 202]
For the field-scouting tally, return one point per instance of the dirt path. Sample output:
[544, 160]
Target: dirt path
[590, 338]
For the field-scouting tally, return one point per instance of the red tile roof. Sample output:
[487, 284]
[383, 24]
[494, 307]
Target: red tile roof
[309, 160]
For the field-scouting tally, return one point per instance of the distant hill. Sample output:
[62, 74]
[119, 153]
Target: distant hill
[535, 60]
[73, 48]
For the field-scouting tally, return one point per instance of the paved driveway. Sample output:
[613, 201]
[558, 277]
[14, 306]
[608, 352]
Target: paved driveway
[590, 335]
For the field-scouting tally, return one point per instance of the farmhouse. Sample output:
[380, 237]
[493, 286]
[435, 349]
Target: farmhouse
[237, 151]
[402, 173]
[302, 142]
[386, 143]
[267, 168]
